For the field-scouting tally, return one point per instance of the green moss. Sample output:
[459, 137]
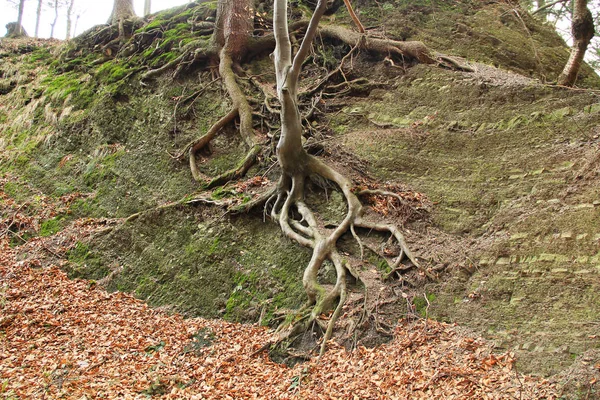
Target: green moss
[60, 86]
[51, 226]
[422, 304]
[113, 71]
[83, 263]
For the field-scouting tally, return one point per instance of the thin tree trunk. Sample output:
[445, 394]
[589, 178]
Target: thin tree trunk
[76, 23]
[69, 19]
[38, 14]
[20, 30]
[55, 18]
[147, 7]
[582, 29]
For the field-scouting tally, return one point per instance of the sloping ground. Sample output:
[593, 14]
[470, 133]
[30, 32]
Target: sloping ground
[510, 166]
[71, 339]
[513, 168]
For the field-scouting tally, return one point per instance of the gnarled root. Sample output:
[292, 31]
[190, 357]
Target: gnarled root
[241, 108]
[306, 230]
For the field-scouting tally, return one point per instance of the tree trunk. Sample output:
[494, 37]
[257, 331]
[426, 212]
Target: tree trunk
[69, 19]
[55, 18]
[582, 29]
[234, 25]
[76, 22]
[20, 30]
[38, 14]
[147, 7]
[122, 9]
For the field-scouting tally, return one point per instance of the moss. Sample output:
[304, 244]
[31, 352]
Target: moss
[422, 304]
[198, 267]
[51, 226]
[61, 86]
[113, 71]
[83, 263]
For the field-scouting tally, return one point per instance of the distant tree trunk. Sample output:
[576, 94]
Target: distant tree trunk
[38, 14]
[76, 22]
[55, 18]
[582, 28]
[147, 7]
[20, 30]
[122, 10]
[69, 19]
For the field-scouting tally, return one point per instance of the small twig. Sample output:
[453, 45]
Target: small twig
[550, 5]
[354, 17]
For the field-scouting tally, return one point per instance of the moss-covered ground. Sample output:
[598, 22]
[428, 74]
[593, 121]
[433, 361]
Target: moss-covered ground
[507, 166]
[507, 162]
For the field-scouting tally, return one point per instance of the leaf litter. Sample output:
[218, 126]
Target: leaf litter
[70, 339]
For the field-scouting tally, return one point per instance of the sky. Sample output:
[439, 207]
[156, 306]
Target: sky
[92, 12]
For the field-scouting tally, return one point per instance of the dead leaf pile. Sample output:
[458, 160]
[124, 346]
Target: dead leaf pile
[61, 338]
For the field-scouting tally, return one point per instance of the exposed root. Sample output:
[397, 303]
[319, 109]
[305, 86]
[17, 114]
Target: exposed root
[239, 171]
[307, 231]
[409, 49]
[199, 144]
[190, 55]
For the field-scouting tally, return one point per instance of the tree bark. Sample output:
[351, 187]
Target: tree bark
[69, 19]
[234, 25]
[20, 30]
[122, 9]
[582, 29]
[38, 14]
[55, 18]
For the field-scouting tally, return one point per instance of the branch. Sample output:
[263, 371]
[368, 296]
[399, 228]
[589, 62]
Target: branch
[283, 47]
[307, 41]
[359, 25]
[548, 6]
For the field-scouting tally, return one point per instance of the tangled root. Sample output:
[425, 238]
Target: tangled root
[305, 229]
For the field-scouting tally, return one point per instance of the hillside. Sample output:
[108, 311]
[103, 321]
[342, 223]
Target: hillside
[496, 174]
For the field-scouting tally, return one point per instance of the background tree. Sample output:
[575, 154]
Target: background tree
[55, 5]
[38, 15]
[122, 10]
[69, 19]
[16, 29]
[147, 7]
[582, 30]
[581, 20]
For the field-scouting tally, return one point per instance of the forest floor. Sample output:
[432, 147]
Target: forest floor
[503, 169]
[62, 338]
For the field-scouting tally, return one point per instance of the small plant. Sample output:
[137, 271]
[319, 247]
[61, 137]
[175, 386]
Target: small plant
[201, 339]
[50, 227]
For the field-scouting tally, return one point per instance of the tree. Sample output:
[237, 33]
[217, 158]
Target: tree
[69, 19]
[122, 10]
[231, 44]
[55, 4]
[582, 29]
[20, 18]
[297, 166]
[38, 15]
[147, 7]
[15, 29]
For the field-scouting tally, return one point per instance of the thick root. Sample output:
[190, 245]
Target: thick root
[238, 172]
[308, 232]
[199, 144]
